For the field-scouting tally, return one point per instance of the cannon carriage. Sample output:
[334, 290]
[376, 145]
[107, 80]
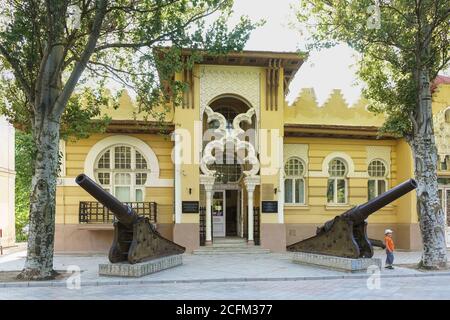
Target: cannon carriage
[135, 238]
[346, 235]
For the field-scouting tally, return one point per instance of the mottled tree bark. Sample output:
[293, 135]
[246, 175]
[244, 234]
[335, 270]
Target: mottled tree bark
[431, 215]
[39, 262]
[50, 99]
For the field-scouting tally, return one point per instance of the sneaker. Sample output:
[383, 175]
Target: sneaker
[390, 267]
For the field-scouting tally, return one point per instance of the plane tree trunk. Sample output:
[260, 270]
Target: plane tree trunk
[45, 130]
[39, 261]
[49, 102]
[431, 214]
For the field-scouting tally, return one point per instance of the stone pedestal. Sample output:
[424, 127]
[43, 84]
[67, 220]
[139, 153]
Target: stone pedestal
[139, 269]
[337, 263]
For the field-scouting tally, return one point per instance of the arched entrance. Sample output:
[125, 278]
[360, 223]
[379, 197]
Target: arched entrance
[228, 159]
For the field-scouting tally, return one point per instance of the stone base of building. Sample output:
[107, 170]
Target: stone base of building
[337, 263]
[139, 269]
[187, 235]
[88, 239]
[273, 237]
[406, 236]
[7, 242]
[83, 239]
[93, 238]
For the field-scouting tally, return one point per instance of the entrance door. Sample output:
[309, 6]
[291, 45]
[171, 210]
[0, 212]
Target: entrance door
[232, 213]
[444, 195]
[218, 214]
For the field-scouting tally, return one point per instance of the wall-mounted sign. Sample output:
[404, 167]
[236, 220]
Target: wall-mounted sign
[269, 206]
[189, 207]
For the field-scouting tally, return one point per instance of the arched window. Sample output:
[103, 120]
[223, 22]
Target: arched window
[228, 169]
[337, 182]
[229, 114]
[122, 170]
[377, 178]
[444, 163]
[447, 115]
[294, 182]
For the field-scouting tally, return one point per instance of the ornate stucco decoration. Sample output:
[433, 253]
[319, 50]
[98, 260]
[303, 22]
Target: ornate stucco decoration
[442, 133]
[229, 136]
[219, 80]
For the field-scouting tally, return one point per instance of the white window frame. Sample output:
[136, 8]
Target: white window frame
[447, 115]
[113, 171]
[335, 179]
[293, 179]
[377, 178]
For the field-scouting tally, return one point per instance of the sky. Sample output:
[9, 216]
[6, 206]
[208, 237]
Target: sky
[323, 71]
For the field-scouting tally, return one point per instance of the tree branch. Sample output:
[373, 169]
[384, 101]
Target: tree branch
[195, 17]
[18, 72]
[131, 9]
[81, 65]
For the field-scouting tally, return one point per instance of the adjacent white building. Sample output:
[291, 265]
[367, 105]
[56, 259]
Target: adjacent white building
[7, 183]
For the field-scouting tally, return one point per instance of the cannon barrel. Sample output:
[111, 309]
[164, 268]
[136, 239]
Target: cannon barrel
[360, 213]
[123, 213]
[346, 235]
[363, 211]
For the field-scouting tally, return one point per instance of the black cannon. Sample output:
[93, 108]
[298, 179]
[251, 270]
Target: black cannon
[135, 238]
[346, 235]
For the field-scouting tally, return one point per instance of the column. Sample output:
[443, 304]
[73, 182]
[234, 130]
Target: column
[281, 183]
[250, 184]
[208, 182]
[177, 159]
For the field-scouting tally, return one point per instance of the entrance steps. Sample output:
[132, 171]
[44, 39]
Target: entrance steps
[230, 246]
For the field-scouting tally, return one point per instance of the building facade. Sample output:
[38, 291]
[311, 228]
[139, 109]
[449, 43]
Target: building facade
[7, 183]
[235, 160]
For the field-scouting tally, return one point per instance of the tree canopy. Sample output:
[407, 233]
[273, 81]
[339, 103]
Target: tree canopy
[403, 44]
[390, 36]
[103, 41]
[57, 57]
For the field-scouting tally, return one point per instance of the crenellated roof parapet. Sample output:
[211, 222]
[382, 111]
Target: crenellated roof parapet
[335, 111]
[128, 110]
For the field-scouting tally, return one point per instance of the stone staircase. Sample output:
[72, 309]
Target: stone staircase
[230, 246]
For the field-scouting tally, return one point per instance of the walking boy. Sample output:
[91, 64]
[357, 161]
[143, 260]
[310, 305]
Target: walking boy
[389, 248]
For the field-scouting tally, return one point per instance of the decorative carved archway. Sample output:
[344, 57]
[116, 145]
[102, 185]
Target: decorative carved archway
[229, 136]
[216, 81]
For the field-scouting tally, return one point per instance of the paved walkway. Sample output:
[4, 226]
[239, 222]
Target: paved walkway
[434, 288]
[200, 268]
[256, 276]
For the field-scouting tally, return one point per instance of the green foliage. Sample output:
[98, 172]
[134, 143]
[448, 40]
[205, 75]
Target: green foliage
[397, 40]
[55, 69]
[82, 116]
[126, 51]
[24, 158]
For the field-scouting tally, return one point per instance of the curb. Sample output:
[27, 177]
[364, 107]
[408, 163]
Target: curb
[96, 283]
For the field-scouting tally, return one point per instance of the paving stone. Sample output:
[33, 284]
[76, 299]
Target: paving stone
[273, 274]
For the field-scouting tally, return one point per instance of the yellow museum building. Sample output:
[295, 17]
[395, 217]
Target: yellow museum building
[236, 161]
